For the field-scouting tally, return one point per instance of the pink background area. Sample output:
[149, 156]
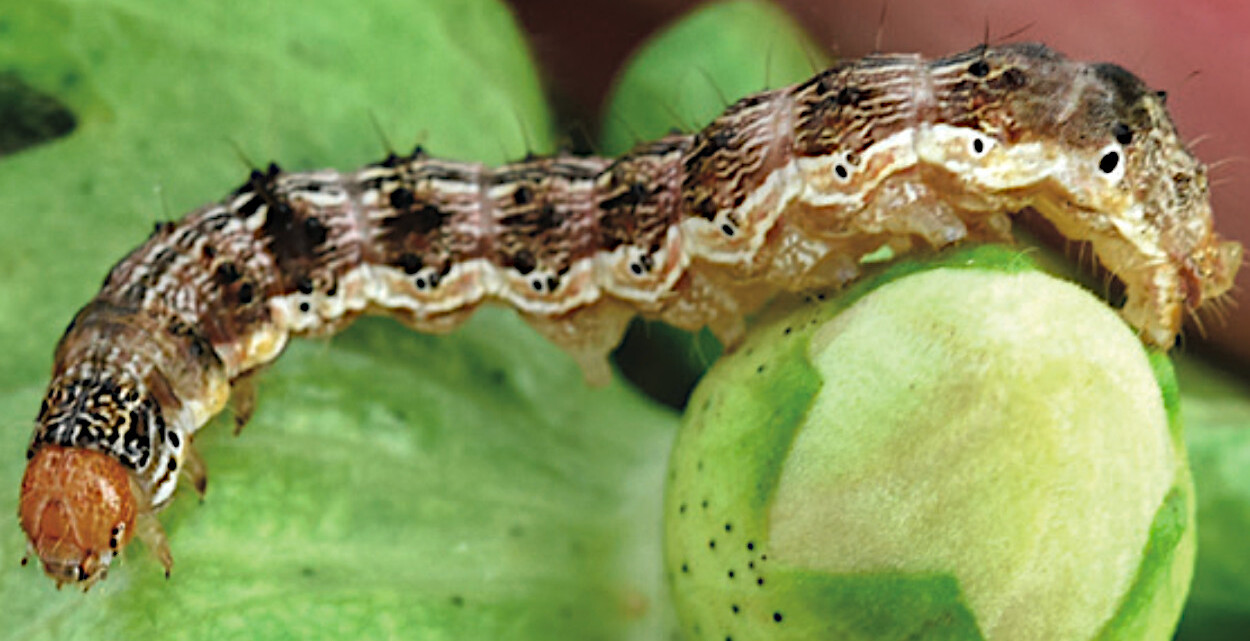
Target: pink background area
[1198, 51]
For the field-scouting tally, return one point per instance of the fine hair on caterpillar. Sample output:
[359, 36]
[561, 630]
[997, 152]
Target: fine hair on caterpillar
[785, 191]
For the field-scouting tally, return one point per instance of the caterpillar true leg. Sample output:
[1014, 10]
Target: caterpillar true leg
[194, 469]
[243, 400]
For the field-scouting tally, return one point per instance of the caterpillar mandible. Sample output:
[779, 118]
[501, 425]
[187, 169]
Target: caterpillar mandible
[785, 191]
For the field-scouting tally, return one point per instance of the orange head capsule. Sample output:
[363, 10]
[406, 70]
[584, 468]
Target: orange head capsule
[78, 511]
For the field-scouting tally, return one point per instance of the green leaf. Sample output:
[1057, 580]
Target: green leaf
[391, 484]
[1216, 411]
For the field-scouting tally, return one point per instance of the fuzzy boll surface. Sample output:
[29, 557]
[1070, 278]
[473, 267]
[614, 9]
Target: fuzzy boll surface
[967, 450]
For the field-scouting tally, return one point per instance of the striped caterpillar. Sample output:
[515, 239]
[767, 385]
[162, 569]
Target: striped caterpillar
[785, 191]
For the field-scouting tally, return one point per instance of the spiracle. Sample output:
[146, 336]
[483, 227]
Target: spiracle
[785, 191]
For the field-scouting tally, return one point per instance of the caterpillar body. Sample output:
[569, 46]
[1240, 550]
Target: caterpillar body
[785, 191]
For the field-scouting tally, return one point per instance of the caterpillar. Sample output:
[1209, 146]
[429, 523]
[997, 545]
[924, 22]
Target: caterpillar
[785, 191]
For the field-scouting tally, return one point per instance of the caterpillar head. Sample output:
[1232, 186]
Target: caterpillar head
[78, 510]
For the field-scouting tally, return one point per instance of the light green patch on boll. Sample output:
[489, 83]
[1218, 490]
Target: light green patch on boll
[963, 448]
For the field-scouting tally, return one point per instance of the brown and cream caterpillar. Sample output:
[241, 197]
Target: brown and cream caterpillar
[786, 191]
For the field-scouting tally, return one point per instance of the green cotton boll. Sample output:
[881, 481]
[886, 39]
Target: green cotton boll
[963, 449]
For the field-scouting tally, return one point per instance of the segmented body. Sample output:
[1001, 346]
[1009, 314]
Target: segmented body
[787, 190]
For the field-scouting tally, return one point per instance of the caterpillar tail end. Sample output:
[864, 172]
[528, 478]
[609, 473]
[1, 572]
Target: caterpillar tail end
[79, 508]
